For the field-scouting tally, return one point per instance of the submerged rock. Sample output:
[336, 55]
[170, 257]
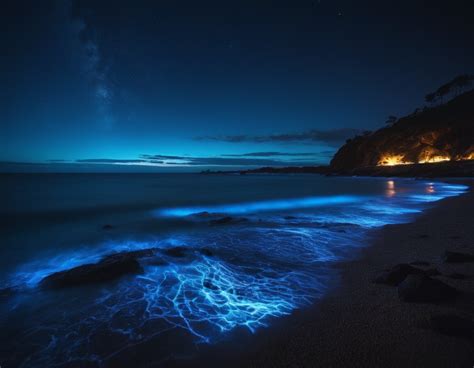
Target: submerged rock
[420, 288]
[457, 257]
[227, 220]
[206, 252]
[397, 274]
[452, 325]
[222, 220]
[177, 252]
[108, 268]
[105, 270]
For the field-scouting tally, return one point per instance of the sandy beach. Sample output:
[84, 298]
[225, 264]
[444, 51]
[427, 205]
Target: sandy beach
[364, 324]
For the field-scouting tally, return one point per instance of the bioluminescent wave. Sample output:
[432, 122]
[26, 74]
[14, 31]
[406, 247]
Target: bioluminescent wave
[261, 206]
[251, 273]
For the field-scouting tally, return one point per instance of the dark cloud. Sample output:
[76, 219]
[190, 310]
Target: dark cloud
[110, 161]
[224, 161]
[248, 160]
[271, 154]
[331, 137]
[163, 157]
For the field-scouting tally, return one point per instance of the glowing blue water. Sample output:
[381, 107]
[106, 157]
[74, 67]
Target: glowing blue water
[276, 261]
[261, 206]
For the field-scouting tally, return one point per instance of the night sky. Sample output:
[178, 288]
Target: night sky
[186, 85]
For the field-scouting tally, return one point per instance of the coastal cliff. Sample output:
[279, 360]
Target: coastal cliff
[439, 134]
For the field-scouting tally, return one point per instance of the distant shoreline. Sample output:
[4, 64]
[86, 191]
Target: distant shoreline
[463, 169]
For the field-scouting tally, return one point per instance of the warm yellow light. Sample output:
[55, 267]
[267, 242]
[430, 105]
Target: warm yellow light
[428, 155]
[469, 156]
[439, 158]
[392, 160]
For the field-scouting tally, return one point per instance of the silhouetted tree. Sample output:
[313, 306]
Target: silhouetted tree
[430, 98]
[457, 85]
[391, 120]
[462, 82]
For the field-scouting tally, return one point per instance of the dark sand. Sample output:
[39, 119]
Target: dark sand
[362, 324]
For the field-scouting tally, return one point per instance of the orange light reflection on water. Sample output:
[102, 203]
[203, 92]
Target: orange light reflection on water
[390, 189]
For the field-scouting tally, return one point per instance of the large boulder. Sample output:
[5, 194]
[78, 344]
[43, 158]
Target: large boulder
[423, 289]
[108, 268]
[227, 220]
[177, 252]
[397, 274]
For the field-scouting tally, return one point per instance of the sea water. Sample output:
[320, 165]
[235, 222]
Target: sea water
[270, 241]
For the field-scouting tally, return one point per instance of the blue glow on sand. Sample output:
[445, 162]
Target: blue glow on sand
[260, 206]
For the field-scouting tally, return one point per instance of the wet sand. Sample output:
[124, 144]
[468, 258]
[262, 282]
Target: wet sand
[364, 324]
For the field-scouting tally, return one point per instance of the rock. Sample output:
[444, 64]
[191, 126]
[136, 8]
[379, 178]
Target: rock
[206, 252]
[140, 253]
[222, 220]
[397, 274]
[452, 325]
[457, 257]
[177, 252]
[108, 227]
[420, 263]
[107, 269]
[156, 261]
[420, 288]
[227, 220]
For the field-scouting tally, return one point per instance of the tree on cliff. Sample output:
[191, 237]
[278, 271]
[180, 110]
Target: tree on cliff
[458, 85]
[391, 120]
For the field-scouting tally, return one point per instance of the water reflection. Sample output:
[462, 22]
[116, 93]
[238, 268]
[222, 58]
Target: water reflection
[390, 189]
[430, 189]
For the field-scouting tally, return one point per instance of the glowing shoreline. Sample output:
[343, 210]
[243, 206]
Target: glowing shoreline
[260, 206]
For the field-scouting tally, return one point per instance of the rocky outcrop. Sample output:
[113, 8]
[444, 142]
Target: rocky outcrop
[117, 265]
[424, 289]
[397, 274]
[108, 268]
[441, 133]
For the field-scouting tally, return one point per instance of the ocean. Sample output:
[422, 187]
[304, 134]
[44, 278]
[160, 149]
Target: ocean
[258, 247]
